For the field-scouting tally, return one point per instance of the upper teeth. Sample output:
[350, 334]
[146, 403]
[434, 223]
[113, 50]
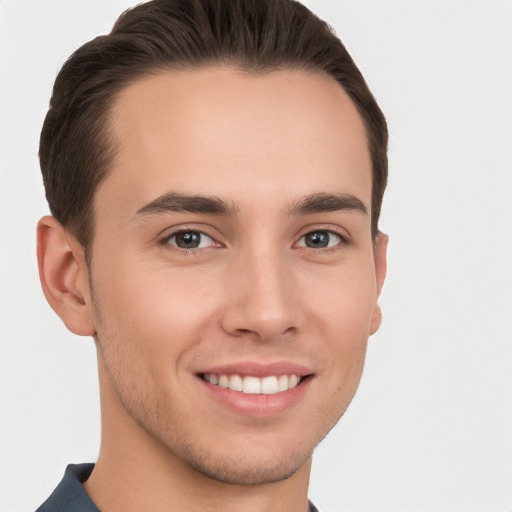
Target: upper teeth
[254, 385]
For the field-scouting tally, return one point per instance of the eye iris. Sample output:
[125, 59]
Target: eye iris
[318, 239]
[188, 240]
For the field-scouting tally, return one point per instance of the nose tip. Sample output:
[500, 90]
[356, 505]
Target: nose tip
[266, 326]
[262, 302]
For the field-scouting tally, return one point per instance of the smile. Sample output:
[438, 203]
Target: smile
[251, 385]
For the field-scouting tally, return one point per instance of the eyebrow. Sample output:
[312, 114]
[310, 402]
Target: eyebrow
[210, 205]
[323, 202]
[175, 202]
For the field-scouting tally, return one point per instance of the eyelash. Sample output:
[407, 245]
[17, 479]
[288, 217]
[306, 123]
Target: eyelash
[343, 240]
[165, 241]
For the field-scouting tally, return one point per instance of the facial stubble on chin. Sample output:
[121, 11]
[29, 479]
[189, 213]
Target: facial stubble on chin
[124, 372]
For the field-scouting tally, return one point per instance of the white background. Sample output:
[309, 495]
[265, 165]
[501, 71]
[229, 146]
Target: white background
[431, 426]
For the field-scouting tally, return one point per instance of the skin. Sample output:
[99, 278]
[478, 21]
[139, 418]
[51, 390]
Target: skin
[253, 292]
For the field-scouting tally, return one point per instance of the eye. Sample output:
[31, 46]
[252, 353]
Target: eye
[320, 240]
[190, 240]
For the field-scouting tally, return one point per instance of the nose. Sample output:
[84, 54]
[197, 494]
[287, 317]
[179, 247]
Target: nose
[262, 298]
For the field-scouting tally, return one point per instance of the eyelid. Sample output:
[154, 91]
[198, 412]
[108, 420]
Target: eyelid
[168, 233]
[340, 232]
[204, 238]
[339, 241]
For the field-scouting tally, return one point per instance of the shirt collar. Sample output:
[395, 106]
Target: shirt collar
[70, 495]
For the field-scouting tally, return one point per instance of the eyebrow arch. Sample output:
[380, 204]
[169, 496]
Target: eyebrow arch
[323, 202]
[176, 202]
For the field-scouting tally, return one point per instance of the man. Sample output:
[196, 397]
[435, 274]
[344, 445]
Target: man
[215, 172]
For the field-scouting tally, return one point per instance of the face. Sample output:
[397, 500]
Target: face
[233, 271]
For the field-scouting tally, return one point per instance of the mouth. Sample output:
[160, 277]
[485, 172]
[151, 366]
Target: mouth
[253, 385]
[257, 390]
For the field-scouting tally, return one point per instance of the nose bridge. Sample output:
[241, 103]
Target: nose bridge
[264, 298]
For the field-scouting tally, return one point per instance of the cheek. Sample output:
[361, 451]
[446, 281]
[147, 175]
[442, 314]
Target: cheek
[158, 309]
[344, 311]
[347, 299]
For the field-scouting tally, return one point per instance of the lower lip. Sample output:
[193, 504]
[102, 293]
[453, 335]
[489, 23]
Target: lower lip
[259, 405]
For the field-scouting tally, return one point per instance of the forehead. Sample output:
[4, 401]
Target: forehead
[225, 132]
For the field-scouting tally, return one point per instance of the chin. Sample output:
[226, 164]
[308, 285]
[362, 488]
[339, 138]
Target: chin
[249, 469]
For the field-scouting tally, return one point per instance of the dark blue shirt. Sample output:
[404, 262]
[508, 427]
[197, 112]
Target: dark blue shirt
[70, 495]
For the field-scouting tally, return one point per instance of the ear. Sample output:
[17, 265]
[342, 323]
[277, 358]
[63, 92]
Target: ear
[64, 276]
[380, 258]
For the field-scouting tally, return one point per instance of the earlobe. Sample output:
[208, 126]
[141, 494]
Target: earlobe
[64, 276]
[380, 257]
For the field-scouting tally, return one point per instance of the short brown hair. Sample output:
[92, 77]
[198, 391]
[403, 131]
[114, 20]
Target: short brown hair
[255, 35]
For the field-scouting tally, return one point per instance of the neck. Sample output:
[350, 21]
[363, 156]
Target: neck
[136, 472]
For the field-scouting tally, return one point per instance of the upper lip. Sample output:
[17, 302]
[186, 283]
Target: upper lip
[255, 369]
